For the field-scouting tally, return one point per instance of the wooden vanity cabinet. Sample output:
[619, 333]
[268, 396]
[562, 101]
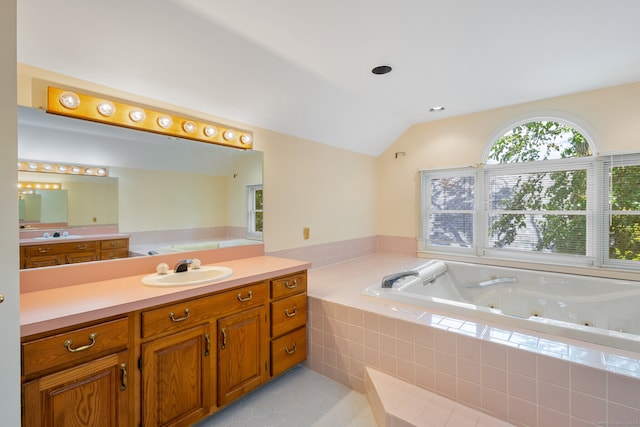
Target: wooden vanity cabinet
[190, 357]
[186, 370]
[78, 377]
[50, 254]
[53, 253]
[288, 322]
[114, 248]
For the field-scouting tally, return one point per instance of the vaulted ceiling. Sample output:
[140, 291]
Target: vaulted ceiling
[304, 67]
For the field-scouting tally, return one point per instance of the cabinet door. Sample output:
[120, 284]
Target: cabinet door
[242, 353]
[94, 394]
[176, 377]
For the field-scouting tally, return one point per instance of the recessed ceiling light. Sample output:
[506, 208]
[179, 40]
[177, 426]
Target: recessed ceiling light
[436, 109]
[381, 69]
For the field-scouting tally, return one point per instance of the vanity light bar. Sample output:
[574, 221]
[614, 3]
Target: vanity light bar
[29, 185]
[99, 109]
[29, 166]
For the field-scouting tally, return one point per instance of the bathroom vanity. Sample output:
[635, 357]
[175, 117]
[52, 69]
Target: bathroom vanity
[165, 356]
[58, 251]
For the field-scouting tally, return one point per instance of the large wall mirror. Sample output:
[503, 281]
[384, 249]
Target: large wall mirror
[167, 194]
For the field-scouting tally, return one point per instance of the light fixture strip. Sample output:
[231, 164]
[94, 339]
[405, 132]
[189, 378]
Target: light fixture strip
[32, 185]
[100, 109]
[63, 169]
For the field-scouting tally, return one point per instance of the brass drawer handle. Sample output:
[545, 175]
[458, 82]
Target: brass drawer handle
[43, 250]
[293, 313]
[81, 247]
[123, 372]
[114, 244]
[293, 285]
[207, 348]
[248, 298]
[180, 319]
[224, 338]
[68, 343]
[293, 349]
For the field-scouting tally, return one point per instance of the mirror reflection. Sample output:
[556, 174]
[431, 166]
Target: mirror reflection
[164, 194]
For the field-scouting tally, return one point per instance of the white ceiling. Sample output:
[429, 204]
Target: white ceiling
[303, 67]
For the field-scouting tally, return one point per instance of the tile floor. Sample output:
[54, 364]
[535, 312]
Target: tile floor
[299, 398]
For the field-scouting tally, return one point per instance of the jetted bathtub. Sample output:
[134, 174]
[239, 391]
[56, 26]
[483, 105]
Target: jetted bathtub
[597, 310]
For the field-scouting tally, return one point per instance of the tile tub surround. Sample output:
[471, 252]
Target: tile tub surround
[519, 376]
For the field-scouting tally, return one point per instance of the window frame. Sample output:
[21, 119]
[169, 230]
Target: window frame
[543, 166]
[597, 212]
[252, 232]
[425, 192]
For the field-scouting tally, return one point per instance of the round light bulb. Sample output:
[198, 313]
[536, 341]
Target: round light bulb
[69, 100]
[75, 169]
[137, 115]
[32, 166]
[189, 126]
[101, 171]
[106, 108]
[228, 135]
[246, 138]
[47, 167]
[62, 168]
[165, 121]
[210, 131]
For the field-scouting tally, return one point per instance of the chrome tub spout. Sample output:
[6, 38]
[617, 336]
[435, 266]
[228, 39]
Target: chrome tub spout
[388, 281]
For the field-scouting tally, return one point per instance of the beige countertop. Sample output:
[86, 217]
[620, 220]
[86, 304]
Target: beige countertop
[49, 309]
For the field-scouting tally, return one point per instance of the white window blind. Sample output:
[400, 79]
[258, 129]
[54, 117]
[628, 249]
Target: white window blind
[544, 207]
[620, 199]
[449, 210]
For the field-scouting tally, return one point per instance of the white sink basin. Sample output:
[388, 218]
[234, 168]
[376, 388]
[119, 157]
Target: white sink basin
[70, 236]
[191, 277]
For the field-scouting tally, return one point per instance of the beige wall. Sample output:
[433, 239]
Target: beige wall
[608, 116]
[180, 200]
[331, 191]
[247, 171]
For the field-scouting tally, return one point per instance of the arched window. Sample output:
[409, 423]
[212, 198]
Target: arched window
[538, 201]
[542, 195]
[539, 140]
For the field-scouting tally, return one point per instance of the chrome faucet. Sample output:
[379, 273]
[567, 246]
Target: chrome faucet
[182, 266]
[388, 281]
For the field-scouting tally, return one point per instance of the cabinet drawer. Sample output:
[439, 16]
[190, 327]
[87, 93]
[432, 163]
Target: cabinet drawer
[114, 244]
[288, 350]
[192, 312]
[73, 346]
[114, 253]
[61, 248]
[289, 285]
[176, 316]
[75, 257]
[288, 314]
[44, 260]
